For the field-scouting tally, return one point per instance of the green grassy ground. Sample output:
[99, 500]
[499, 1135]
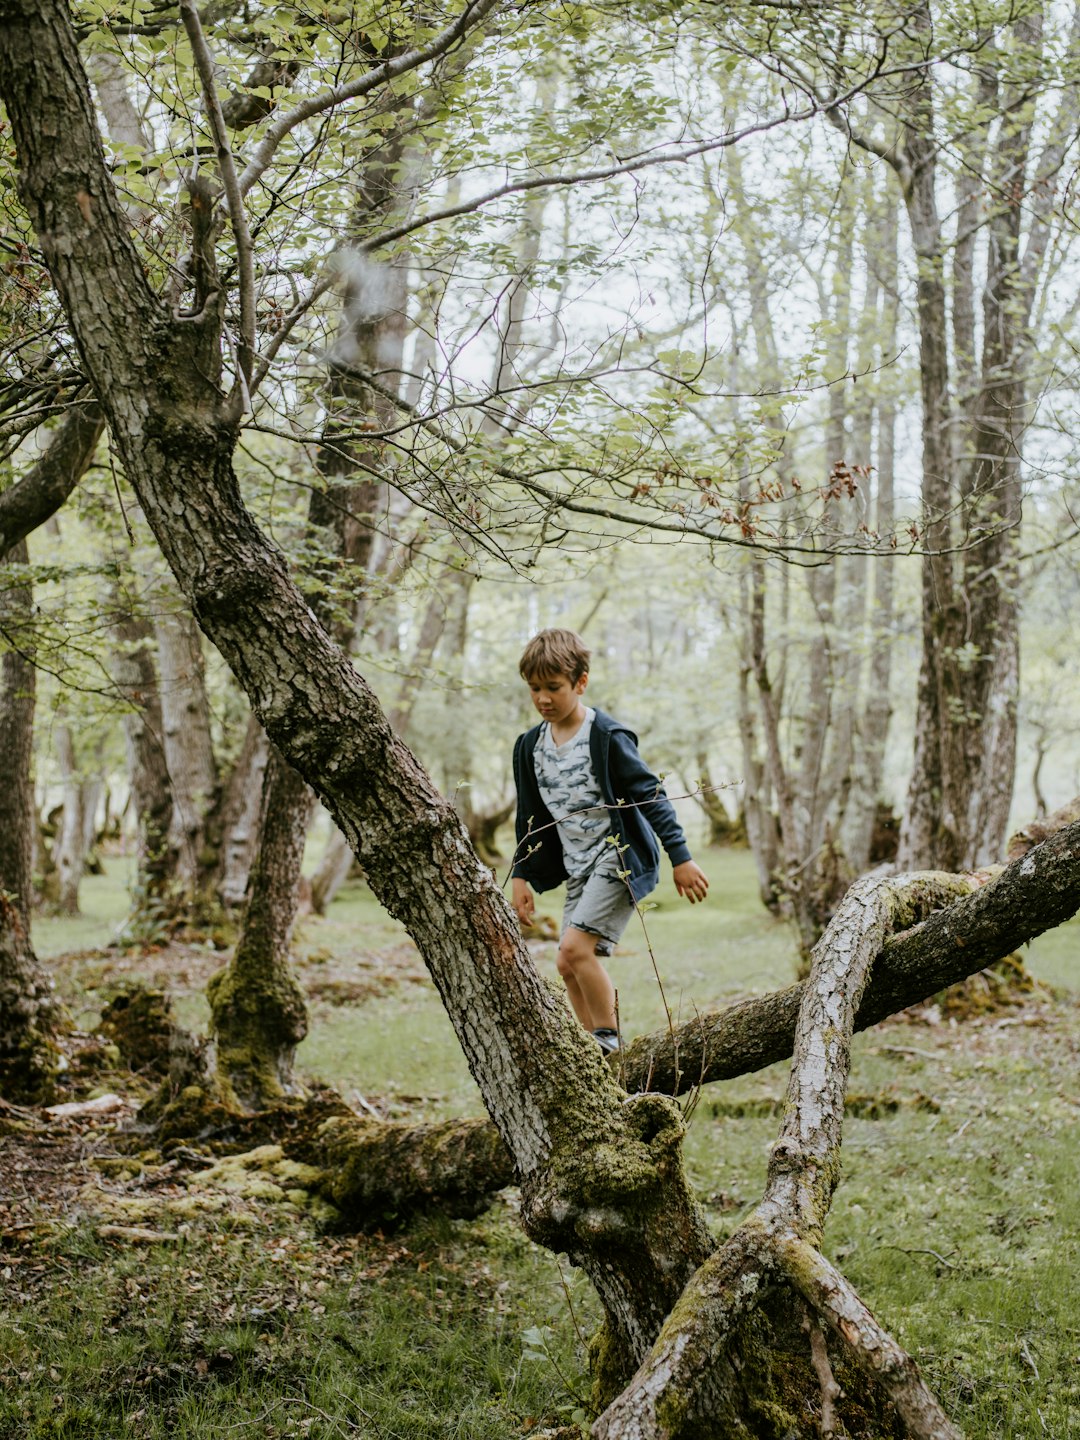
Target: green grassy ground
[958, 1216]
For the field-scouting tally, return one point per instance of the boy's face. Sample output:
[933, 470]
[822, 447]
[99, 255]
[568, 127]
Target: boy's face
[556, 697]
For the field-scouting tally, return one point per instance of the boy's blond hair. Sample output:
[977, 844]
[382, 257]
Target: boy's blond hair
[555, 652]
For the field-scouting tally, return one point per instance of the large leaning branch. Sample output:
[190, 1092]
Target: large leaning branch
[1035, 893]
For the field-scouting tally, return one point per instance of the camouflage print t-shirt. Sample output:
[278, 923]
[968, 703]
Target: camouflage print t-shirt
[572, 793]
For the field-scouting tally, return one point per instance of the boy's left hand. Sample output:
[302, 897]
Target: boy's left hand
[690, 881]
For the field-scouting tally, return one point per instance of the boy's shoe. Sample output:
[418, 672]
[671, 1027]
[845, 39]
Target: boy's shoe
[607, 1039]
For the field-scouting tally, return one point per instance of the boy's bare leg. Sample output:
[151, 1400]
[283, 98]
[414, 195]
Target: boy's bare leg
[588, 985]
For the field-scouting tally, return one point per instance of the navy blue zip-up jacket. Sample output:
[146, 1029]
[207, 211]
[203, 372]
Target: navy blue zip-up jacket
[641, 811]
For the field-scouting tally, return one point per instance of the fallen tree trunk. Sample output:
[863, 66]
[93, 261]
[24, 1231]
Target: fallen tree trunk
[375, 1173]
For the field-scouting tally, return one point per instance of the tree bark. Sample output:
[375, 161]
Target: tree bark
[1036, 831]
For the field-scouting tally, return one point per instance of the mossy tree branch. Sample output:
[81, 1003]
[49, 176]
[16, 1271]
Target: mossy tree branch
[984, 924]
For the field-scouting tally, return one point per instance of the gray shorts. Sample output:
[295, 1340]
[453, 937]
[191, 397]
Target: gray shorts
[600, 904]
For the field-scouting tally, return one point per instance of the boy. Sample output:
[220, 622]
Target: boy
[587, 810]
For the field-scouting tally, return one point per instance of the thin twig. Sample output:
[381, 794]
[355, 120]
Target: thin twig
[466, 22]
[919, 1250]
[830, 1390]
[582, 1339]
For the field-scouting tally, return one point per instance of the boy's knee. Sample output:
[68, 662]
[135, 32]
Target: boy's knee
[575, 949]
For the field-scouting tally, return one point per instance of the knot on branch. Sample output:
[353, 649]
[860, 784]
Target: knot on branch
[618, 1189]
[226, 590]
[787, 1158]
[657, 1122]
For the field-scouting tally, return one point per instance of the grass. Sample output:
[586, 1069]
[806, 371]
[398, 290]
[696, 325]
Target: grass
[958, 1216]
[265, 1333]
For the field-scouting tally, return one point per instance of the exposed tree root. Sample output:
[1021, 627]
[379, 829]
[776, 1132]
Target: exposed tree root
[376, 1173]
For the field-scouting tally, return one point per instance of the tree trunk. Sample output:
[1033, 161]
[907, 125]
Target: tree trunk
[948, 928]
[723, 830]
[761, 827]
[484, 826]
[48, 483]
[69, 851]
[873, 727]
[259, 1014]
[331, 872]
[930, 832]
[961, 784]
[151, 787]
[189, 751]
[239, 822]
[28, 1015]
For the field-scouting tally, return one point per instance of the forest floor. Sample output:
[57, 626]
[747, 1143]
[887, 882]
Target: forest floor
[151, 1294]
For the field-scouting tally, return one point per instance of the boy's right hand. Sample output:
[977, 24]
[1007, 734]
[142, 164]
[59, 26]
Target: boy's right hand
[523, 900]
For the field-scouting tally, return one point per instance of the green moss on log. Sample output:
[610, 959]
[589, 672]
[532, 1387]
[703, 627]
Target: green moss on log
[377, 1174]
